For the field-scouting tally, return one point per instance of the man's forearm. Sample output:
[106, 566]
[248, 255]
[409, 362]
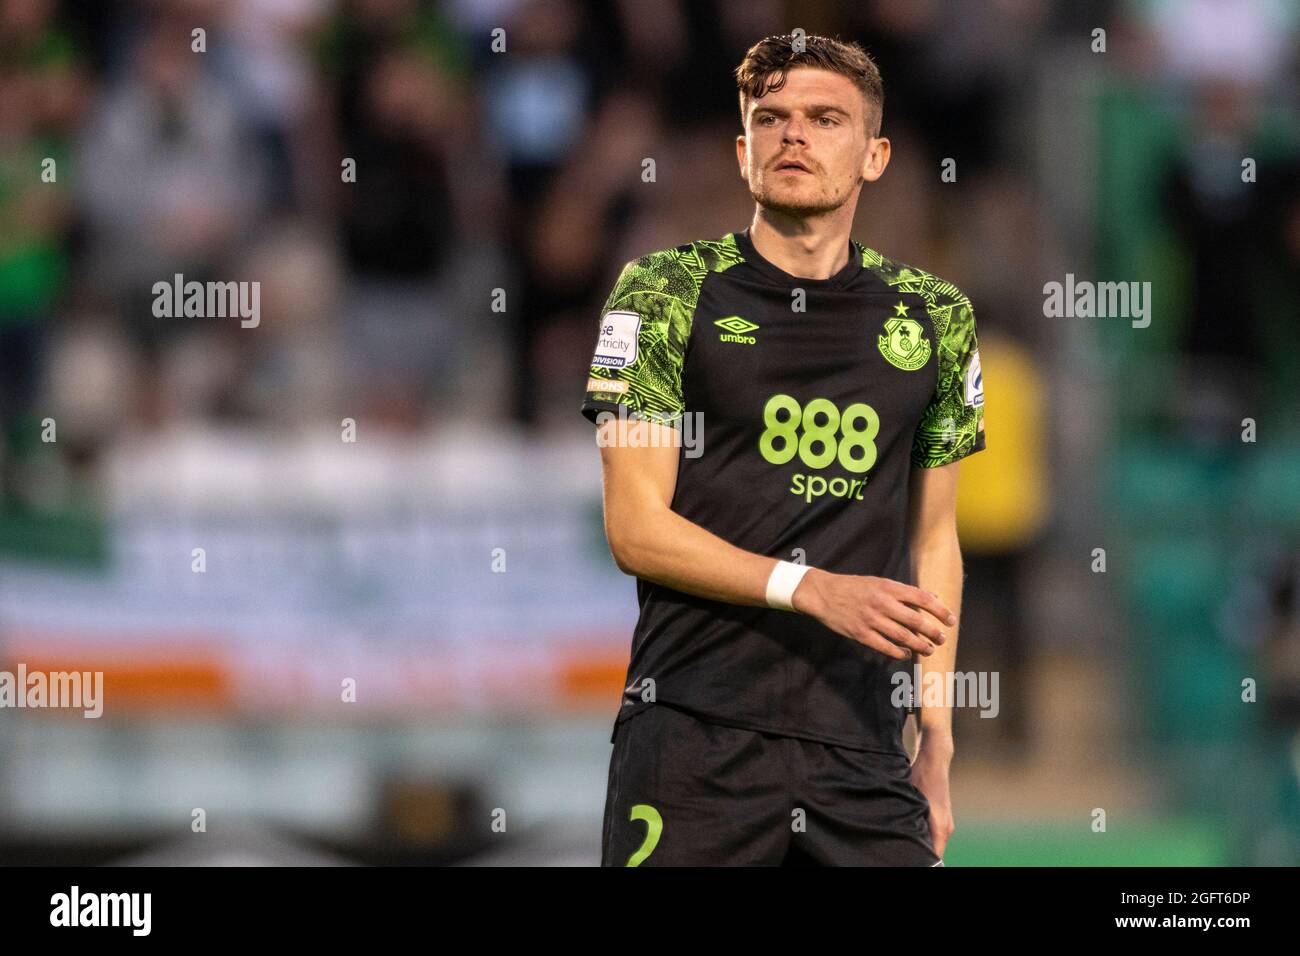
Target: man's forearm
[671, 550]
[677, 553]
[939, 570]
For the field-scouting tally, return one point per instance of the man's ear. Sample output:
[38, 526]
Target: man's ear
[740, 154]
[877, 158]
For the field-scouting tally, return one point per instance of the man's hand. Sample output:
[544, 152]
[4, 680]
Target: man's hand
[930, 776]
[893, 618]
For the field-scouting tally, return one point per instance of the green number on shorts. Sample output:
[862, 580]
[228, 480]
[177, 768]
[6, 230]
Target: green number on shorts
[654, 827]
[820, 444]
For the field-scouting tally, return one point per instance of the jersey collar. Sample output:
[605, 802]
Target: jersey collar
[837, 281]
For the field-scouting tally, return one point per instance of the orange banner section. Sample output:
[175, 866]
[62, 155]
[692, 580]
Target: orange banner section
[593, 678]
[174, 677]
[202, 676]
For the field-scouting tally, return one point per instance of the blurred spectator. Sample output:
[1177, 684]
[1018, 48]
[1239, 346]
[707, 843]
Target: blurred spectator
[1196, 48]
[538, 98]
[1238, 332]
[170, 180]
[408, 119]
[268, 66]
[39, 99]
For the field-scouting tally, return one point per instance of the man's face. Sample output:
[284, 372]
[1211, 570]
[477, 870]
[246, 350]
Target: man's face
[817, 121]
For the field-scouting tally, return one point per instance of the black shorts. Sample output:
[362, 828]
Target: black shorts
[685, 792]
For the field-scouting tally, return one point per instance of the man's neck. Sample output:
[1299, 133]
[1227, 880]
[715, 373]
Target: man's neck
[809, 249]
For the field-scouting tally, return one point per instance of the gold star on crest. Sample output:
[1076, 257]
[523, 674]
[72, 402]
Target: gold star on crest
[900, 311]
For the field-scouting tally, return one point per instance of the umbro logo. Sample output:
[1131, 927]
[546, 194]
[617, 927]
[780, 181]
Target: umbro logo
[737, 330]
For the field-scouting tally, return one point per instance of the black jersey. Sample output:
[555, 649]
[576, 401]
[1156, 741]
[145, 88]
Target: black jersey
[802, 405]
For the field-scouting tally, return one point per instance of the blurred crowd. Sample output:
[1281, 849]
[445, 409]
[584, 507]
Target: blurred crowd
[436, 196]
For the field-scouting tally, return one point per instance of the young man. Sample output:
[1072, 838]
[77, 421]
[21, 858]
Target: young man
[801, 546]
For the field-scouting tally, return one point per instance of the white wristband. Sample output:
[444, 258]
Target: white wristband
[785, 577]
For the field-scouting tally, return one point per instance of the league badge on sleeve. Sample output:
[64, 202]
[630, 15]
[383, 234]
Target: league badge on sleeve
[974, 381]
[618, 337]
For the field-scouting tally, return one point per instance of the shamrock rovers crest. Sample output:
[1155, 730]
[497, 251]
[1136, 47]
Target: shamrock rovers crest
[904, 344]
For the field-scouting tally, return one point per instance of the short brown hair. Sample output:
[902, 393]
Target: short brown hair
[776, 55]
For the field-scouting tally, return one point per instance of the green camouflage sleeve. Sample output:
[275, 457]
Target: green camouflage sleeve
[641, 345]
[952, 426]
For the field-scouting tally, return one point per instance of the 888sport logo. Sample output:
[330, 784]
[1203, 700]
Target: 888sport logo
[821, 436]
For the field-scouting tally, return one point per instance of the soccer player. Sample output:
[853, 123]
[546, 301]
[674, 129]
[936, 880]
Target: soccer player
[780, 413]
